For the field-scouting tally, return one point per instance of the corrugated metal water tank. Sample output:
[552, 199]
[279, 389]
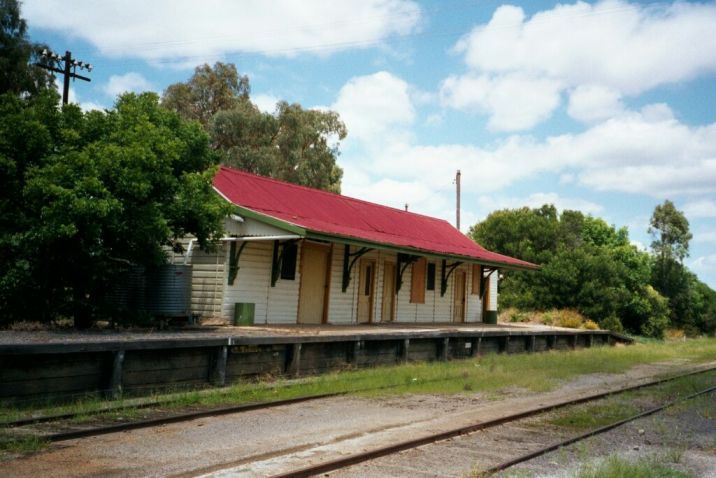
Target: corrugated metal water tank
[168, 291]
[127, 293]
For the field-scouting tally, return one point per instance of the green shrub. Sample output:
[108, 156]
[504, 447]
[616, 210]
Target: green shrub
[612, 323]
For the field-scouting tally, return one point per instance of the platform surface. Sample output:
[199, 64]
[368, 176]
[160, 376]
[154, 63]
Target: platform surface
[270, 331]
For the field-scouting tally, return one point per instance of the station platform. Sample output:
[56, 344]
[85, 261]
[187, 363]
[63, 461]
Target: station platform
[44, 364]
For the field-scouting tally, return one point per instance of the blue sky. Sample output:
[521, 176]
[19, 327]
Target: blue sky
[606, 107]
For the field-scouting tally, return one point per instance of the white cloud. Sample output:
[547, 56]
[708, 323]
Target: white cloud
[191, 30]
[704, 263]
[373, 106]
[535, 200]
[628, 153]
[641, 152]
[129, 82]
[590, 103]
[90, 106]
[700, 208]
[639, 245]
[266, 103]
[627, 46]
[567, 178]
[73, 97]
[705, 267]
[705, 236]
[708, 237]
[514, 101]
[600, 52]
[435, 119]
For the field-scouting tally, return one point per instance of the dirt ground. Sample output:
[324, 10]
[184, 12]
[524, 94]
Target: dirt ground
[265, 442]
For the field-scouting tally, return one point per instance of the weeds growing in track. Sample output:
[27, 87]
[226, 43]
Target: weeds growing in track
[616, 467]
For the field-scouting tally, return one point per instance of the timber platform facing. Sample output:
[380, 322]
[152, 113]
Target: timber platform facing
[41, 365]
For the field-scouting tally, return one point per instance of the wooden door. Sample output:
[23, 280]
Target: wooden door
[387, 313]
[459, 297]
[366, 291]
[314, 283]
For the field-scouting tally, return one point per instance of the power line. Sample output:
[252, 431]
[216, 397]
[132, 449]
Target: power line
[51, 60]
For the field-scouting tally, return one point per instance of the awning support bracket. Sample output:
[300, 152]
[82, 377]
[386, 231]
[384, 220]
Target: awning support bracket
[234, 255]
[348, 263]
[445, 272]
[404, 260]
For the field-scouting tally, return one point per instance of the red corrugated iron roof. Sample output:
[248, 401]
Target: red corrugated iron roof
[340, 216]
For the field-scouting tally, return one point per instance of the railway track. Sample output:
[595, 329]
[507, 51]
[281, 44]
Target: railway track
[172, 418]
[373, 454]
[341, 464]
[597, 431]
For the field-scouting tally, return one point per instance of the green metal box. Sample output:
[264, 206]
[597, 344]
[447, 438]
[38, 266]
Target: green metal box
[490, 317]
[244, 313]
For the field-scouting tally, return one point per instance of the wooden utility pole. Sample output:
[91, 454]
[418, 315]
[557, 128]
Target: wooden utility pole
[457, 202]
[69, 69]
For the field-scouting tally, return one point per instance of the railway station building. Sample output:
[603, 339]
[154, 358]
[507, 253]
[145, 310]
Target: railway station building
[297, 255]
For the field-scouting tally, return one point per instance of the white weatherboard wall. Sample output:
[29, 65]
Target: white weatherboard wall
[212, 295]
[275, 305]
[342, 307]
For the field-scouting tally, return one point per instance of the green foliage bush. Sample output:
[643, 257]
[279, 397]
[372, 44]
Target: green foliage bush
[591, 267]
[612, 323]
[85, 195]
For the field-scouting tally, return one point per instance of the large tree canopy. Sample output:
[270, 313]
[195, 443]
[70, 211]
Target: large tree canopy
[208, 91]
[591, 266]
[17, 53]
[90, 193]
[293, 144]
[692, 304]
[586, 264]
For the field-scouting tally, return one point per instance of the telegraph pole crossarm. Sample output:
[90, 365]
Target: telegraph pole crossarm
[69, 70]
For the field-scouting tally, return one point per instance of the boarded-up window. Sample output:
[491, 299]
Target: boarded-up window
[431, 276]
[476, 277]
[417, 284]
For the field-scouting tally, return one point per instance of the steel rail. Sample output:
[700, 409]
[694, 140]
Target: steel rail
[69, 435]
[159, 403]
[119, 427]
[182, 417]
[591, 433]
[463, 430]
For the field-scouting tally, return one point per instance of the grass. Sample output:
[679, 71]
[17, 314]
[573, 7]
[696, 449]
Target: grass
[487, 374]
[594, 416]
[14, 445]
[613, 409]
[616, 467]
